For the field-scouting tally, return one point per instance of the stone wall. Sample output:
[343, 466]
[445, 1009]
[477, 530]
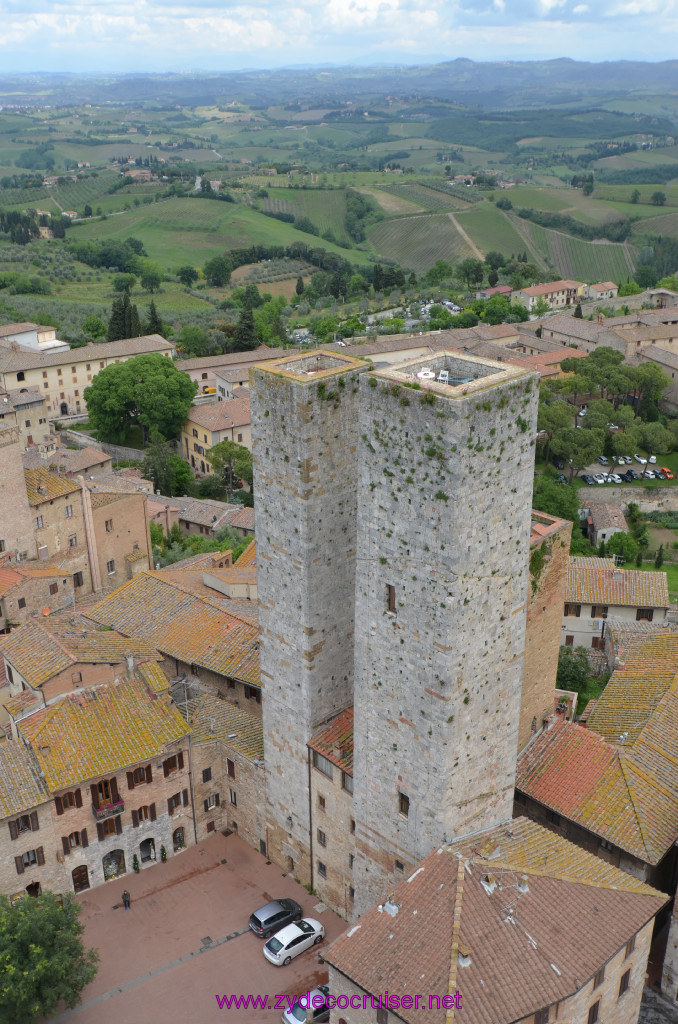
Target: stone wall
[549, 559]
[243, 779]
[648, 499]
[35, 592]
[670, 971]
[305, 437]
[16, 515]
[332, 814]
[445, 490]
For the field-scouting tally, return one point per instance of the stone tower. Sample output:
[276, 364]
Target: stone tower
[305, 440]
[17, 534]
[444, 495]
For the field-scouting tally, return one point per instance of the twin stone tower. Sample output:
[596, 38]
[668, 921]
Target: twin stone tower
[393, 527]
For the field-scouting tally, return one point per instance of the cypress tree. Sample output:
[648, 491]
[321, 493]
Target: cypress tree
[154, 323]
[300, 285]
[117, 322]
[245, 332]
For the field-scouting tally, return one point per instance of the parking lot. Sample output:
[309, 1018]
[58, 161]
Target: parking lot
[185, 940]
[604, 472]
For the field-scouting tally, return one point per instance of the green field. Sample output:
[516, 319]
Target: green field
[417, 242]
[429, 199]
[666, 224]
[325, 208]
[581, 260]
[490, 228]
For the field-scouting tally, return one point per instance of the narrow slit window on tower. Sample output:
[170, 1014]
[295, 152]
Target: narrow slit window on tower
[403, 804]
[390, 598]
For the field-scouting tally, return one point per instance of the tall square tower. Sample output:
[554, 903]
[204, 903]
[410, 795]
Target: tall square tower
[17, 522]
[444, 495]
[305, 441]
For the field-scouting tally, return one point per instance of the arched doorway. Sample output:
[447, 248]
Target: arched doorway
[147, 851]
[178, 840]
[33, 889]
[114, 864]
[80, 878]
[63, 408]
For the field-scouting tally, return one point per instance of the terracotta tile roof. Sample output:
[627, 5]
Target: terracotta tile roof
[648, 669]
[659, 355]
[604, 284]
[492, 899]
[616, 587]
[29, 359]
[203, 561]
[100, 731]
[208, 511]
[335, 741]
[212, 718]
[233, 412]
[66, 459]
[249, 555]
[21, 328]
[17, 574]
[44, 485]
[192, 580]
[550, 286]
[153, 676]
[544, 525]
[21, 786]
[256, 355]
[39, 650]
[620, 633]
[605, 517]
[193, 629]
[591, 562]
[233, 574]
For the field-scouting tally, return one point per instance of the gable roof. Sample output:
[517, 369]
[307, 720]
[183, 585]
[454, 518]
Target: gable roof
[214, 719]
[100, 731]
[43, 484]
[491, 899]
[607, 516]
[28, 359]
[335, 741]
[633, 588]
[232, 412]
[189, 627]
[21, 786]
[208, 511]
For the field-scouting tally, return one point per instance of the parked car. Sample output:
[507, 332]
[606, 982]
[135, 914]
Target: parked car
[666, 473]
[658, 475]
[560, 465]
[603, 461]
[652, 459]
[624, 458]
[648, 474]
[588, 480]
[562, 478]
[600, 478]
[628, 476]
[613, 478]
[641, 460]
[633, 474]
[582, 411]
[293, 940]
[273, 916]
[319, 1012]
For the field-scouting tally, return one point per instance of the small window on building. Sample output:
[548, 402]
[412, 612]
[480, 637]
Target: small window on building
[630, 946]
[239, 437]
[644, 615]
[390, 598]
[77, 579]
[110, 567]
[625, 982]
[347, 782]
[74, 369]
[212, 801]
[21, 375]
[195, 432]
[322, 764]
[322, 869]
[403, 804]
[74, 840]
[109, 526]
[598, 978]
[352, 826]
[321, 802]
[210, 826]
[598, 611]
[399, 866]
[101, 364]
[28, 423]
[46, 384]
[569, 640]
[68, 511]
[542, 1016]
[553, 817]
[230, 767]
[44, 373]
[206, 774]
[21, 602]
[594, 1012]
[382, 1016]
[73, 540]
[573, 609]
[322, 838]
[88, 367]
[598, 643]
[54, 588]
[351, 860]
[234, 797]
[2, 545]
[38, 522]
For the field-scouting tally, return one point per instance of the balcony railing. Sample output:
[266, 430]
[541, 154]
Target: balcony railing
[108, 810]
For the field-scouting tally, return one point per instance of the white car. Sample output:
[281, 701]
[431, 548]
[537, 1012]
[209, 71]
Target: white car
[315, 1000]
[641, 460]
[613, 478]
[582, 411]
[293, 940]
[652, 459]
[600, 478]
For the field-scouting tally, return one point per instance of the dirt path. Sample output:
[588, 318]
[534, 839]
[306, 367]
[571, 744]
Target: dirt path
[467, 238]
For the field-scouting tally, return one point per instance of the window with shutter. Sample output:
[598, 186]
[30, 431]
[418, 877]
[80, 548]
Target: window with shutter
[180, 759]
[118, 825]
[230, 767]
[78, 798]
[152, 813]
[184, 796]
[66, 845]
[34, 821]
[40, 853]
[59, 805]
[206, 774]
[84, 841]
[18, 861]
[100, 831]
[149, 773]
[135, 819]
[13, 830]
[130, 780]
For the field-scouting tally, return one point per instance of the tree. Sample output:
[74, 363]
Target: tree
[492, 278]
[541, 307]
[658, 198]
[168, 471]
[147, 390]
[378, 277]
[440, 271]
[655, 439]
[553, 416]
[93, 325]
[573, 669]
[231, 462]
[496, 309]
[154, 323]
[124, 320]
[624, 545]
[659, 557]
[124, 282]
[635, 196]
[471, 271]
[152, 276]
[587, 188]
[577, 312]
[87, 212]
[299, 288]
[494, 260]
[246, 336]
[578, 448]
[44, 961]
[187, 275]
[218, 271]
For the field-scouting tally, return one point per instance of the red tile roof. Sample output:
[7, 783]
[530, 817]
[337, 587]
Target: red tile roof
[616, 587]
[335, 741]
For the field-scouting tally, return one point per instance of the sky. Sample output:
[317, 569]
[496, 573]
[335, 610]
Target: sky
[96, 36]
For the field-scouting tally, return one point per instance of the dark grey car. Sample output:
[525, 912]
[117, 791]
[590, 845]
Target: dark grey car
[274, 916]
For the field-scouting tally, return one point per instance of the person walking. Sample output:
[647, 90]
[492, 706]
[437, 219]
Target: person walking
[126, 900]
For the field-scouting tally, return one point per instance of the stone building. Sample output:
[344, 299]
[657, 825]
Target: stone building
[305, 440]
[209, 425]
[17, 533]
[444, 494]
[549, 559]
[28, 589]
[491, 929]
[59, 524]
[26, 411]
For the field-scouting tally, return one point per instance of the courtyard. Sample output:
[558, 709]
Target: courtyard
[186, 940]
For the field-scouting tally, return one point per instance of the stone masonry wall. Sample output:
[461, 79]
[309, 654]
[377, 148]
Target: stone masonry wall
[244, 778]
[542, 634]
[332, 813]
[16, 515]
[305, 437]
[445, 488]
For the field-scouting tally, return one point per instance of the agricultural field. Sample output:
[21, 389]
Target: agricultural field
[666, 224]
[417, 242]
[325, 208]
[427, 198]
[581, 260]
[490, 228]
